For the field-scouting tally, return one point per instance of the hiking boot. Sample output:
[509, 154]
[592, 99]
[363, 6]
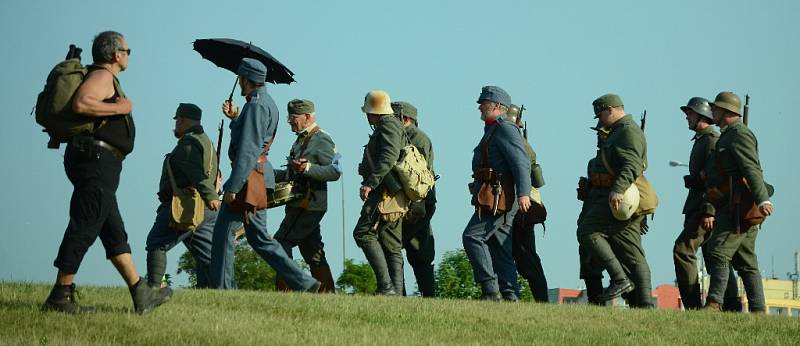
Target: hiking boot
[146, 298]
[616, 289]
[491, 296]
[314, 288]
[712, 306]
[62, 299]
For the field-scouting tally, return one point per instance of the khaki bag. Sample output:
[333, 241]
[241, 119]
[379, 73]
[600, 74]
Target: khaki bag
[413, 173]
[648, 199]
[392, 207]
[186, 211]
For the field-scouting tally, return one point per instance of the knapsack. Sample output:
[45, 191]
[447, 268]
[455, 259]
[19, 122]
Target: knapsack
[54, 104]
[412, 171]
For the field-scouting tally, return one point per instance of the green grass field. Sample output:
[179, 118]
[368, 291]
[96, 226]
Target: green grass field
[266, 318]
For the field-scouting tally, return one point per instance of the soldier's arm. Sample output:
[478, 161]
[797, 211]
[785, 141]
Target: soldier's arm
[745, 154]
[326, 164]
[390, 134]
[628, 151]
[96, 87]
[249, 147]
[513, 149]
[188, 160]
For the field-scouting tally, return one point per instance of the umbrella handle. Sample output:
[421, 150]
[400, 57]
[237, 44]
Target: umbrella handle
[230, 97]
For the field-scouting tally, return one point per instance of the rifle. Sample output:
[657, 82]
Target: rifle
[746, 113]
[643, 121]
[525, 123]
[219, 149]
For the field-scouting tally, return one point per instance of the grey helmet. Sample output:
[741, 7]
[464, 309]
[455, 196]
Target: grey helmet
[700, 106]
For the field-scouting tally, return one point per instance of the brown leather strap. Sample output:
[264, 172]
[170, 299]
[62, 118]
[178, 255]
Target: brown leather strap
[306, 140]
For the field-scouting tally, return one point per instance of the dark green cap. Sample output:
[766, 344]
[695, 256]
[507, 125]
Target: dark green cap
[404, 109]
[605, 101]
[298, 106]
[188, 111]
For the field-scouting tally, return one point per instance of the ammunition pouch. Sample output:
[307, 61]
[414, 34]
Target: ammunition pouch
[602, 180]
[583, 188]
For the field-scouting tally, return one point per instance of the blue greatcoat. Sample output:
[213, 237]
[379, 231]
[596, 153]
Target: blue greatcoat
[249, 132]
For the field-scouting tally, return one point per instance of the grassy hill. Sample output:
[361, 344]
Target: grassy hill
[248, 317]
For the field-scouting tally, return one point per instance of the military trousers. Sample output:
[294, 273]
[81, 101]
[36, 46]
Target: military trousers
[487, 241]
[529, 265]
[162, 238]
[221, 272]
[300, 228]
[371, 233]
[684, 254]
[93, 210]
[727, 247]
[420, 251]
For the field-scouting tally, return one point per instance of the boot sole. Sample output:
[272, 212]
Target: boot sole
[605, 298]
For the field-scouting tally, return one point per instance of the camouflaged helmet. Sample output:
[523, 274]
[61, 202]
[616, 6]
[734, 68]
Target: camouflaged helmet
[700, 106]
[728, 101]
[377, 102]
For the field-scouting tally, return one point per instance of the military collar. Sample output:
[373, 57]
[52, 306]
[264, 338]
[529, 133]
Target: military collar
[308, 129]
[700, 133]
[735, 125]
[622, 121]
[256, 94]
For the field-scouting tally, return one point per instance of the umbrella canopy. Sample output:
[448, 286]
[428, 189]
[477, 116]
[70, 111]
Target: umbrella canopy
[227, 53]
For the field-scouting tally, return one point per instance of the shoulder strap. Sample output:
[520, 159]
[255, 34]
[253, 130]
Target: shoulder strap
[485, 147]
[175, 190]
[306, 140]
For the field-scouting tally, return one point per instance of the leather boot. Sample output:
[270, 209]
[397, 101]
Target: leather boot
[146, 298]
[322, 272]
[594, 288]
[619, 281]
[643, 292]
[62, 299]
[712, 306]
[156, 267]
[395, 263]
[377, 261]
[281, 285]
[426, 282]
[690, 296]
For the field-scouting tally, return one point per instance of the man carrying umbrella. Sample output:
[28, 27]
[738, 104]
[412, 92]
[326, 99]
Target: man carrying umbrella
[252, 132]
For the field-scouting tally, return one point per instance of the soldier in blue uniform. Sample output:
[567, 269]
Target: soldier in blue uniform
[501, 168]
[252, 133]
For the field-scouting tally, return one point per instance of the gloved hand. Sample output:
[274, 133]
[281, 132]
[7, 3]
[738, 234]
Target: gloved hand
[643, 227]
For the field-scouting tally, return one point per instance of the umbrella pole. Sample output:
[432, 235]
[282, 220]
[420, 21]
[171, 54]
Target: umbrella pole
[230, 97]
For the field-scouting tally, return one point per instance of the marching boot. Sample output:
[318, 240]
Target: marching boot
[146, 298]
[62, 299]
[156, 267]
[426, 282]
[594, 288]
[643, 291]
[322, 273]
[712, 306]
[395, 263]
[281, 285]
[690, 296]
[377, 261]
[619, 281]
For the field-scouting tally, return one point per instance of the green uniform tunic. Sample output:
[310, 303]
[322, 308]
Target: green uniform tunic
[194, 163]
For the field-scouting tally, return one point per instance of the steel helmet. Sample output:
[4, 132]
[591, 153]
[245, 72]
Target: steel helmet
[729, 101]
[700, 106]
[377, 102]
[629, 204]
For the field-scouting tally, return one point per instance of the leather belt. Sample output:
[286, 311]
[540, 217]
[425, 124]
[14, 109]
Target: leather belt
[114, 151]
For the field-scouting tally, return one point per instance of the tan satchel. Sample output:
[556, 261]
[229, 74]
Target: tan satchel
[648, 199]
[392, 207]
[186, 210]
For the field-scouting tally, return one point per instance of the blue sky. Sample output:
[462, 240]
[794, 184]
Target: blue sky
[554, 57]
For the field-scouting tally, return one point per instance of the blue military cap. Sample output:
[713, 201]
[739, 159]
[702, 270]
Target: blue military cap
[495, 94]
[253, 70]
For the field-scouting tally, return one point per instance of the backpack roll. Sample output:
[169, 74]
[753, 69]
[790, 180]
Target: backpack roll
[54, 104]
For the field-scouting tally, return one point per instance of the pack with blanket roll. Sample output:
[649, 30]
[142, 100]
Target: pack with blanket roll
[54, 104]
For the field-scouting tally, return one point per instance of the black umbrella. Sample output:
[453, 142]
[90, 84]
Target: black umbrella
[227, 53]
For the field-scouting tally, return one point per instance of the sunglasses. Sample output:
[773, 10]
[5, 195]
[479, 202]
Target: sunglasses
[126, 51]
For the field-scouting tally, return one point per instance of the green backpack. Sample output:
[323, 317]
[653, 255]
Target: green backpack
[54, 104]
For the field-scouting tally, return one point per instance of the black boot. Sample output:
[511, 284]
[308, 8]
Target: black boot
[156, 267]
[395, 264]
[690, 296]
[594, 288]
[322, 272]
[619, 281]
[377, 261]
[62, 299]
[426, 282]
[643, 290]
[146, 298]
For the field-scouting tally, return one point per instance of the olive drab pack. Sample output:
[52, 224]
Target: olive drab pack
[412, 171]
[54, 104]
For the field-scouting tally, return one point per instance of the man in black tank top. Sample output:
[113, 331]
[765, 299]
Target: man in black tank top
[93, 163]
